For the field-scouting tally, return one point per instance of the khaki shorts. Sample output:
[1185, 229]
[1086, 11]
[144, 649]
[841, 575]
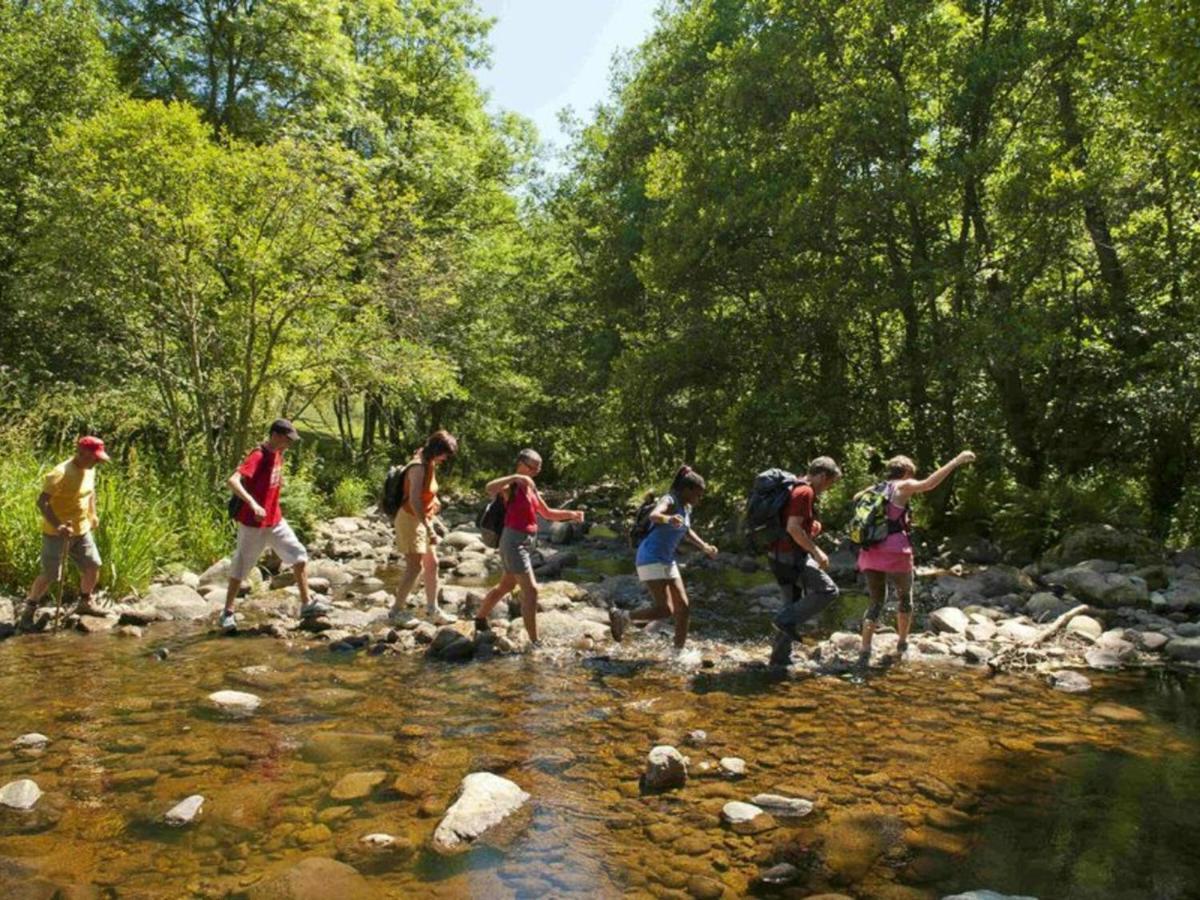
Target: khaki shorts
[82, 552]
[412, 537]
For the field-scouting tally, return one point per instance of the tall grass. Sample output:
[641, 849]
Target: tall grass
[148, 521]
[349, 496]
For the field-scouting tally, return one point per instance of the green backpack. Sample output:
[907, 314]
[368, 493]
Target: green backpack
[869, 522]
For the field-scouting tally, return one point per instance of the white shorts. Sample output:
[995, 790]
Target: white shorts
[251, 542]
[658, 572]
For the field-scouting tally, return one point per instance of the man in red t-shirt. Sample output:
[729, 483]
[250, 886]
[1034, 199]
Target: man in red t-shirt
[257, 483]
[798, 564]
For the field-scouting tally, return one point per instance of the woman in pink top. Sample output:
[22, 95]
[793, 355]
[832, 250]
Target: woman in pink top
[891, 560]
[524, 505]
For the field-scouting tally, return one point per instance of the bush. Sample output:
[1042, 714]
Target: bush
[349, 497]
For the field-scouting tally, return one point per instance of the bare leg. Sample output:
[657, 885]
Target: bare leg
[235, 585]
[503, 588]
[38, 589]
[877, 591]
[661, 609]
[529, 599]
[412, 571]
[88, 576]
[429, 568]
[682, 610]
[301, 570]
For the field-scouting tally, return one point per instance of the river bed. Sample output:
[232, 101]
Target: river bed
[926, 780]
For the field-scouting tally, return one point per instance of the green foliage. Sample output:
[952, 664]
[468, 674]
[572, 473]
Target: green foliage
[349, 497]
[302, 503]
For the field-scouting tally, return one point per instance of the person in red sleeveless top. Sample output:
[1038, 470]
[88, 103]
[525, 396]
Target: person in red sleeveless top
[524, 505]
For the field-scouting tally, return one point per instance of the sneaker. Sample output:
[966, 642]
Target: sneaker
[87, 607]
[314, 609]
[618, 621]
[901, 649]
[864, 659]
[398, 616]
[227, 622]
[438, 617]
[481, 625]
[28, 614]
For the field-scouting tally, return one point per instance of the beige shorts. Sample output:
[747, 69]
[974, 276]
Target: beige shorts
[412, 537]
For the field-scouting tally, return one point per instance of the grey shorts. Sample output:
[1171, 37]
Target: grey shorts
[514, 551]
[82, 552]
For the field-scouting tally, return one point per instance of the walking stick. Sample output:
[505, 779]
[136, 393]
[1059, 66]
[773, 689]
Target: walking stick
[62, 573]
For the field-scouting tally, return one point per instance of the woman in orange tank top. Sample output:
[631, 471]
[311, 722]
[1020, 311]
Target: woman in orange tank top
[415, 537]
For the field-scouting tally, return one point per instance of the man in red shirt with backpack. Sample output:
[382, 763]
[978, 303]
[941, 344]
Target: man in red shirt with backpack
[257, 484]
[798, 564]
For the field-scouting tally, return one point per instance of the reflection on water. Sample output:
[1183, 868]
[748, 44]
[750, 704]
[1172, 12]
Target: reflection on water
[926, 781]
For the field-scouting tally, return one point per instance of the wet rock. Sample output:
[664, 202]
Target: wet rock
[378, 840]
[1070, 682]
[732, 767]
[779, 875]
[696, 738]
[746, 818]
[1152, 641]
[1114, 712]
[1101, 659]
[315, 878]
[22, 794]
[484, 800]
[949, 619]
[31, 741]
[184, 812]
[141, 615]
[178, 602]
[313, 835]
[976, 655]
[132, 778]
[987, 895]
[1107, 589]
[95, 624]
[357, 785]
[1017, 632]
[234, 703]
[981, 631]
[464, 540]
[1045, 605]
[128, 631]
[793, 807]
[704, 888]
[451, 645]
[1085, 627]
[666, 769]
[1184, 649]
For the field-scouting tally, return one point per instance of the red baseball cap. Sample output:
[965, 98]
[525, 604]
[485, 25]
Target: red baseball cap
[94, 445]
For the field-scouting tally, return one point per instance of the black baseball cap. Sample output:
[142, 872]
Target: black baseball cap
[284, 426]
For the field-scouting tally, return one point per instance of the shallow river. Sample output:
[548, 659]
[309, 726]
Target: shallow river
[926, 781]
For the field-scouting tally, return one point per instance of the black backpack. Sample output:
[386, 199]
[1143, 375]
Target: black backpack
[642, 525]
[768, 498]
[392, 496]
[491, 520]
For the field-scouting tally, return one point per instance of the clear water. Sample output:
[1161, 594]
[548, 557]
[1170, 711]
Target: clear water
[927, 781]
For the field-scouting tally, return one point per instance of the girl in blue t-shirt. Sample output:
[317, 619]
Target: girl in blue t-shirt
[670, 524]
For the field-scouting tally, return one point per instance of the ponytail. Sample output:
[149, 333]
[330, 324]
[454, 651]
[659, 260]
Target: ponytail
[687, 477]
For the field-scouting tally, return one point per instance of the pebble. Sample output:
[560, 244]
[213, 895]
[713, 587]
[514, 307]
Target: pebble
[235, 702]
[666, 768]
[783, 806]
[22, 794]
[746, 818]
[1114, 712]
[732, 766]
[184, 811]
[781, 874]
[378, 840]
[31, 741]
[1070, 682]
[357, 785]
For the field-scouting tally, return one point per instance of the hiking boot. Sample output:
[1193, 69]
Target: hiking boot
[864, 659]
[227, 622]
[398, 616]
[481, 625]
[901, 649]
[314, 609]
[88, 607]
[618, 621]
[30, 620]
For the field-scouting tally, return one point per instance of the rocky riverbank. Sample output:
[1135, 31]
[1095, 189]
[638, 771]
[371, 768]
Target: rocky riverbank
[1102, 600]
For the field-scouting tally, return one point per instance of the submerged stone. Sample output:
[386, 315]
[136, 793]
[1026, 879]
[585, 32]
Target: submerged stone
[22, 794]
[237, 703]
[484, 801]
[184, 811]
[666, 769]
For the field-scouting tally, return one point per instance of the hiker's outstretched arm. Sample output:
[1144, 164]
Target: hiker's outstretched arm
[496, 485]
[921, 486]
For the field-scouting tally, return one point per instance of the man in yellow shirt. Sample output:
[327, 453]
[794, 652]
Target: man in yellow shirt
[68, 507]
